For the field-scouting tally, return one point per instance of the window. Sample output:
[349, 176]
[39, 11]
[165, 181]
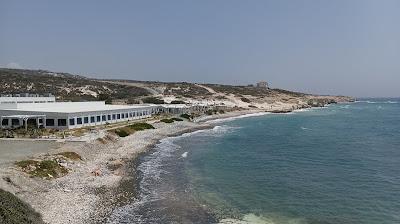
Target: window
[79, 120]
[62, 122]
[92, 119]
[14, 122]
[86, 120]
[118, 116]
[98, 118]
[72, 121]
[122, 116]
[103, 118]
[130, 114]
[109, 117]
[4, 122]
[126, 115]
[50, 122]
[114, 116]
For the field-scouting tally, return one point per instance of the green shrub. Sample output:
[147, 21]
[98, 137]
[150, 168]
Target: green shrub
[153, 100]
[141, 126]
[171, 120]
[168, 121]
[186, 116]
[13, 210]
[128, 130]
[121, 132]
[244, 99]
[178, 102]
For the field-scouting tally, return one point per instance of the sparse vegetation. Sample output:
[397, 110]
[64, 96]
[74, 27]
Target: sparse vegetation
[153, 100]
[14, 210]
[45, 169]
[70, 155]
[141, 126]
[178, 102]
[63, 85]
[128, 130]
[122, 132]
[186, 116]
[102, 140]
[170, 120]
[244, 99]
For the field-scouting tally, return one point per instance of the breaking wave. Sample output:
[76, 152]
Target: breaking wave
[237, 117]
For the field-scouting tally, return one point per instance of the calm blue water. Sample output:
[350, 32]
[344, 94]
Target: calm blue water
[339, 164]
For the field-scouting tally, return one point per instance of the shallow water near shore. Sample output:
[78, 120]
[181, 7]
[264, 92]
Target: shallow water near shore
[339, 164]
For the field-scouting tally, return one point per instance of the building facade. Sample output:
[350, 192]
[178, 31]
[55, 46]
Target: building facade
[70, 115]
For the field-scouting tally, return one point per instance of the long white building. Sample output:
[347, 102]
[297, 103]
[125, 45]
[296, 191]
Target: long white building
[69, 115]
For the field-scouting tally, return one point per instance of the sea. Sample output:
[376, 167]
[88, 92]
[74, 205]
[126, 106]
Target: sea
[338, 164]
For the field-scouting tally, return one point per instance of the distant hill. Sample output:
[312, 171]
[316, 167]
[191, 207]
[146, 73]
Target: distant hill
[69, 87]
[63, 85]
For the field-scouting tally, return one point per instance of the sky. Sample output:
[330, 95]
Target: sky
[345, 47]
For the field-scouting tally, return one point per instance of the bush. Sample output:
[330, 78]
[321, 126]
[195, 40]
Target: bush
[141, 126]
[244, 99]
[13, 210]
[171, 120]
[153, 100]
[178, 102]
[168, 121]
[186, 116]
[128, 130]
[209, 112]
[121, 132]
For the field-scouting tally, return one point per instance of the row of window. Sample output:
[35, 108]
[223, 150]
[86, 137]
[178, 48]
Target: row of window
[108, 117]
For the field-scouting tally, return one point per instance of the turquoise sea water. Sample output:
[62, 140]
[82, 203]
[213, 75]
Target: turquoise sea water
[339, 164]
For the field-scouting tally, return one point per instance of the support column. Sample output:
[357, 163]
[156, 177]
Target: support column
[25, 120]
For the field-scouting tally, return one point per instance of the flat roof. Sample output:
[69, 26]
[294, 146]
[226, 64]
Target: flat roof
[72, 107]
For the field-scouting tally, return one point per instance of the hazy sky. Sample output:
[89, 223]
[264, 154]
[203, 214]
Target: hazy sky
[349, 47]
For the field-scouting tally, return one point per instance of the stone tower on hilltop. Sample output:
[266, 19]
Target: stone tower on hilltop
[262, 84]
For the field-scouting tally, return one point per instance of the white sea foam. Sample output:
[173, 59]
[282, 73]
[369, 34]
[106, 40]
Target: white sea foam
[304, 128]
[184, 155]
[252, 218]
[152, 171]
[375, 102]
[345, 106]
[237, 117]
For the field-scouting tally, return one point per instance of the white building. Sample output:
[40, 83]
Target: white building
[174, 108]
[68, 115]
[40, 99]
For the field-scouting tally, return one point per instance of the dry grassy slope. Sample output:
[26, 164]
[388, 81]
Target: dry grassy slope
[72, 87]
[63, 85]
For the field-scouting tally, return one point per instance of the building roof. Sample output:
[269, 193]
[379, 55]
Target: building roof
[71, 107]
[180, 106]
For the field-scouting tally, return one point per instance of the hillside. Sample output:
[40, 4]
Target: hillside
[68, 87]
[63, 85]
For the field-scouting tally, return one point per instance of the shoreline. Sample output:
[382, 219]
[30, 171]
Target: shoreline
[81, 197]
